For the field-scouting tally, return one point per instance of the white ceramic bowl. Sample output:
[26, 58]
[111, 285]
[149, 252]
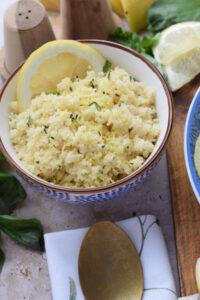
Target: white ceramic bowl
[192, 131]
[142, 70]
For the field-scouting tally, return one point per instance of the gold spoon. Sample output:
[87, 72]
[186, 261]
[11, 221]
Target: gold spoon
[109, 265]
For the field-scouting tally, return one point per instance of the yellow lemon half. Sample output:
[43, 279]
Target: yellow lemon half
[136, 13]
[52, 62]
[117, 7]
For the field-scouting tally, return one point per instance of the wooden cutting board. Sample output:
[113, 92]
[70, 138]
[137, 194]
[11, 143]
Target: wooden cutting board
[186, 209]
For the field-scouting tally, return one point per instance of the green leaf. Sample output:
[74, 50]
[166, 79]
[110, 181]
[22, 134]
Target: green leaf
[98, 107]
[30, 121]
[27, 232]
[107, 66]
[11, 193]
[126, 38]
[2, 260]
[165, 13]
[144, 46]
[1, 156]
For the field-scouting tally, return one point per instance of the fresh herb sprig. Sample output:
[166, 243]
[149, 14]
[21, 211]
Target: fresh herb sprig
[142, 45]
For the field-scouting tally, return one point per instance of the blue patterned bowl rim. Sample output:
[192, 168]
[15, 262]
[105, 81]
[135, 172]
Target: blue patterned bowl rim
[192, 131]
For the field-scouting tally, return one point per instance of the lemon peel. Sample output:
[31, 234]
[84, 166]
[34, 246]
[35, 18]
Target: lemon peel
[52, 62]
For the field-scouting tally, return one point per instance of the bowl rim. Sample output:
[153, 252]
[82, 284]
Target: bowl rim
[133, 176]
[187, 153]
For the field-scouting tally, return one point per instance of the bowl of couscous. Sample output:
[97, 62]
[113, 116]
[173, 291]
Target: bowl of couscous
[95, 137]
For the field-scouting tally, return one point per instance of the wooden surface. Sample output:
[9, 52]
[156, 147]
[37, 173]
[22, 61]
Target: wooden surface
[186, 210]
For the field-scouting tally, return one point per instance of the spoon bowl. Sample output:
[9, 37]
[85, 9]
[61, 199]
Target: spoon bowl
[109, 265]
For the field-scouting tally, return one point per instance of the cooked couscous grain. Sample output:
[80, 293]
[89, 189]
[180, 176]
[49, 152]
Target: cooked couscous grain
[90, 132]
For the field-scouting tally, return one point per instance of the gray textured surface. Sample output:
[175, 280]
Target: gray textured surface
[25, 274]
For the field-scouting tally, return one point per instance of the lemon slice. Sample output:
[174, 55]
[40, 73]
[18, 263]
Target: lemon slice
[197, 163]
[176, 40]
[52, 62]
[117, 7]
[197, 273]
[136, 13]
[183, 69]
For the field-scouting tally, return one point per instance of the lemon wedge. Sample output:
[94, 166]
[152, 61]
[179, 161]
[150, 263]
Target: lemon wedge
[178, 50]
[136, 13]
[52, 62]
[197, 273]
[177, 40]
[183, 69]
[117, 7]
[197, 155]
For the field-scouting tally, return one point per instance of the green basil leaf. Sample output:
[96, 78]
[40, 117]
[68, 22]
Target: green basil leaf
[27, 232]
[164, 13]
[2, 260]
[11, 193]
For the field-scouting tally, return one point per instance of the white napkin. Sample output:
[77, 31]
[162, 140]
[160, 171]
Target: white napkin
[62, 249]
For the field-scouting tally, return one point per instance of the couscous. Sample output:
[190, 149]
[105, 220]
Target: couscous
[88, 133]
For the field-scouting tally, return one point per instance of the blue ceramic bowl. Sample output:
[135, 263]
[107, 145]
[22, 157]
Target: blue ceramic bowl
[192, 131]
[140, 68]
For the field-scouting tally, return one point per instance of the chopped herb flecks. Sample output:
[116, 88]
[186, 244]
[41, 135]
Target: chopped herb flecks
[55, 93]
[70, 88]
[45, 128]
[98, 107]
[91, 83]
[117, 95]
[30, 121]
[109, 75]
[130, 129]
[107, 66]
[74, 118]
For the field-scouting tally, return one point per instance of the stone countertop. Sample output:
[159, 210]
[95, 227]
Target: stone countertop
[25, 274]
